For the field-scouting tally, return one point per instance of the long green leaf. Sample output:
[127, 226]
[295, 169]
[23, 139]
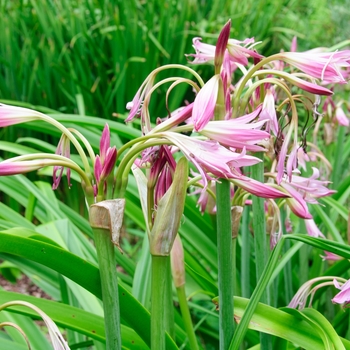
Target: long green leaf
[81, 272]
[71, 317]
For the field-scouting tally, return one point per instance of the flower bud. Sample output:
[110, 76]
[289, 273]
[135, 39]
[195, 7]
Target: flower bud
[169, 212]
[177, 263]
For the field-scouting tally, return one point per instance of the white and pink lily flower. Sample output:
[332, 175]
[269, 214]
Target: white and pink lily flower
[329, 67]
[343, 297]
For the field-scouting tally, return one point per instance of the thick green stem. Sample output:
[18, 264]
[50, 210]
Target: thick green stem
[225, 263]
[109, 284]
[186, 316]
[161, 310]
[259, 227]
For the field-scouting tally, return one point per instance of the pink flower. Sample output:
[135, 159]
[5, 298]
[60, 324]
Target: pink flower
[341, 117]
[312, 229]
[343, 297]
[204, 52]
[162, 172]
[105, 142]
[307, 86]
[305, 190]
[257, 188]
[135, 106]
[237, 53]
[205, 102]
[63, 149]
[293, 46]
[11, 115]
[104, 168]
[105, 161]
[177, 117]
[330, 256]
[292, 162]
[268, 113]
[221, 45]
[14, 168]
[297, 204]
[210, 156]
[237, 133]
[330, 67]
[310, 188]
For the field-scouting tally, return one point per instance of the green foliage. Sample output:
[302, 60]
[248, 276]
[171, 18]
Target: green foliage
[89, 58]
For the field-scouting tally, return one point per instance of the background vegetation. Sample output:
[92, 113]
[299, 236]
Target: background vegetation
[88, 58]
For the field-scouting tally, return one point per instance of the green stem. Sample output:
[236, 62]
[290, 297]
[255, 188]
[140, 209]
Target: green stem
[287, 270]
[109, 285]
[259, 226]
[225, 263]
[160, 312]
[338, 156]
[186, 316]
[245, 256]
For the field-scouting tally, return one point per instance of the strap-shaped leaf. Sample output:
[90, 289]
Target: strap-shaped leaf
[71, 317]
[292, 325]
[81, 272]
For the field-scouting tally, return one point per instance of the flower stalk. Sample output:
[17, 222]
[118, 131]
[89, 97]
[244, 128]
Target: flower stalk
[178, 272]
[225, 263]
[105, 219]
[260, 238]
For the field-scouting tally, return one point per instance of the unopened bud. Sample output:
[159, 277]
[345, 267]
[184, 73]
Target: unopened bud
[169, 212]
[177, 263]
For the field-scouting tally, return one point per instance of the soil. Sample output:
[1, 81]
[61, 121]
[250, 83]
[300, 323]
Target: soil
[24, 286]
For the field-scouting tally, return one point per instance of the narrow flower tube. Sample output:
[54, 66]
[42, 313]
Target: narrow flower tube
[257, 188]
[237, 133]
[11, 115]
[7, 168]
